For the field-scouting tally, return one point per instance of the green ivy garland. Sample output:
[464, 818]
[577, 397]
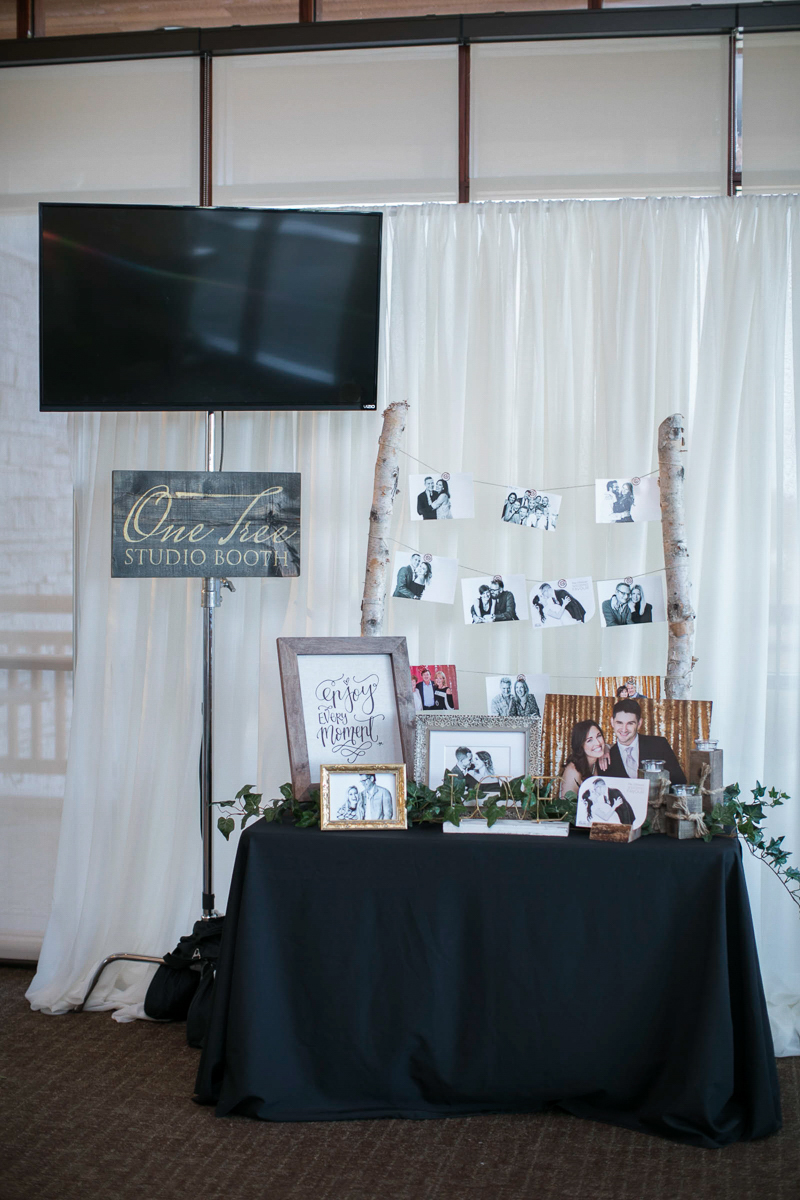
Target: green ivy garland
[729, 817]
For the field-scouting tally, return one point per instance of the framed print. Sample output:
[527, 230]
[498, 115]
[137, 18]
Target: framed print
[479, 750]
[346, 701]
[372, 797]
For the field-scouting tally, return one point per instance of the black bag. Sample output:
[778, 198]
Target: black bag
[175, 983]
[198, 1017]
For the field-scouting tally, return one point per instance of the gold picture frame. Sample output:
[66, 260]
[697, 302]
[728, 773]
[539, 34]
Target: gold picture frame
[336, 800]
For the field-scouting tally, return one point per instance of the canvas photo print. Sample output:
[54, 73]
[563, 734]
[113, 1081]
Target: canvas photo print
[634, 600]
[629, 687]
[586, 736]
[424, 577]
[441, 497]
[556, 603]
[434, 687]
[496, 598]
[526, 506]
[516, 695]
[612, 801]
[624, 501]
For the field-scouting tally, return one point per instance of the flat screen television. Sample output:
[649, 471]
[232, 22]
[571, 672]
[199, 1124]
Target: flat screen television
[149, 307]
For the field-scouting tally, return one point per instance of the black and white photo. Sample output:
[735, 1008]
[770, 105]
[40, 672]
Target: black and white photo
[441, 497]
[625, 501]
[612, 802]
[559, 602]
[634, 600]
[536, 510]
[492, 599]
[516, 695]
[479, 751]
[371, 797]
[424, 577]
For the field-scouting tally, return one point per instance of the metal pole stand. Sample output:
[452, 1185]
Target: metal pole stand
[210, 598]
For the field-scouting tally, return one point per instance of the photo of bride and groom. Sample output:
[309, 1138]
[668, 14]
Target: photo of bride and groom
[476, 768]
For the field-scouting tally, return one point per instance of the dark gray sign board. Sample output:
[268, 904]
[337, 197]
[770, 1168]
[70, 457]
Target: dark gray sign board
[174, 524]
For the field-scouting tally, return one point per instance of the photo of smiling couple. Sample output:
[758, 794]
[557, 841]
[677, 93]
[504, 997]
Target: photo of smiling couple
[591, 753]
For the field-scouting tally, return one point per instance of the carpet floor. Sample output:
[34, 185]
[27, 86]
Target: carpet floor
[94, 1110]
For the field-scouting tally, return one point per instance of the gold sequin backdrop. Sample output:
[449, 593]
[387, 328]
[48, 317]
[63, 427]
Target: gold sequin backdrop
[679, 721]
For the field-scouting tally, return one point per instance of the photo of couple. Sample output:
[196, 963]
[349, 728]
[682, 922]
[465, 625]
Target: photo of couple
[441, 497]
[624, 501]
[526, 506]
[476, 768]
[559, 602]
[635, 600]
[623, 804]
[424, 577]
[516, 695]
[496, 599]
[434, 688]
[366, 802]
[591, 754]
[629, 687]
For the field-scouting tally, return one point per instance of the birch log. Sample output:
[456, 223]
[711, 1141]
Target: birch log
[680, 613]
[373, 605]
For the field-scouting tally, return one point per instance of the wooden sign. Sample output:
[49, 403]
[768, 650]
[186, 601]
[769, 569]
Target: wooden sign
[174, 524]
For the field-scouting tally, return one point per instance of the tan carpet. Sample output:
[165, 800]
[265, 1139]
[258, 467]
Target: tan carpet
[93, 1110]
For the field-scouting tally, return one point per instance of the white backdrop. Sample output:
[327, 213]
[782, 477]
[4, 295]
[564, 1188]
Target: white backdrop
[535, 341]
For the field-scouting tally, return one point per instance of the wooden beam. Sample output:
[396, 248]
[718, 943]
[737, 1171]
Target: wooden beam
[463, 124]
[308, 11]
[30, 18]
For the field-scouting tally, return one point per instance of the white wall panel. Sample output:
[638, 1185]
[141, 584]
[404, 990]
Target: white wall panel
[771, 113]
[121, 131]
[620, 117]
[336, 127]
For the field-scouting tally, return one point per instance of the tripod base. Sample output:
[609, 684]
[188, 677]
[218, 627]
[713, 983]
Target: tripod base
[106, 962]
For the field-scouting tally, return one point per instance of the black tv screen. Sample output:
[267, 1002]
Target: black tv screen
[153, 307]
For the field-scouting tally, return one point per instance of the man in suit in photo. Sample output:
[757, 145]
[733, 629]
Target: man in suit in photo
[631, 747]
[405, 575]
[378, 803]
[616, 611]
[424, 507]
[463, 767]
[429, 698]
[505, 606]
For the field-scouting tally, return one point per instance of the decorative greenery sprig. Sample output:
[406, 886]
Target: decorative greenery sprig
[731, 815]
[287, 811]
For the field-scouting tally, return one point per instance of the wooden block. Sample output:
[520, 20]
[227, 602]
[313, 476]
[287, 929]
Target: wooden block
[600, 832]
[698, 759]
[679, 827]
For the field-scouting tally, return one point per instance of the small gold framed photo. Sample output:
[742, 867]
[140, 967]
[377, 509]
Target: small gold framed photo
[372, 796]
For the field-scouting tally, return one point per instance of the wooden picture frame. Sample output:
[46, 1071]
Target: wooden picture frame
[471, 730]
[345, 723]
[345, 788]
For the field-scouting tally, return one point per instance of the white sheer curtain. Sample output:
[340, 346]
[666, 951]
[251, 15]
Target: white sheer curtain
[538, 343]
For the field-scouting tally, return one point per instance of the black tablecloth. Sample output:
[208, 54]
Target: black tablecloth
[419, 974]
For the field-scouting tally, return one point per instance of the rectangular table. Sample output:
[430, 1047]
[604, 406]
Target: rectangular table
[374, 973]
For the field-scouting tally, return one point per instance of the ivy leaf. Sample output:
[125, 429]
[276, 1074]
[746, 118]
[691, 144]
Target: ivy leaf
[286, 791]
[248, 787]
[226, 826]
